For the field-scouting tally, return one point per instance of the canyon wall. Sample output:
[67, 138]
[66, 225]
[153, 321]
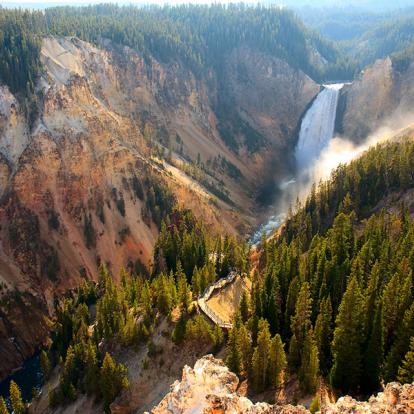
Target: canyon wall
[90, 166]
[381, 96]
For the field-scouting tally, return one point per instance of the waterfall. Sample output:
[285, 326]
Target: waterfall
[316, 131]
[317, 127]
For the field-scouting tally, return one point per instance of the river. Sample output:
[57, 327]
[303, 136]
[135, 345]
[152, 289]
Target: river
[29, 376]
[316, 131]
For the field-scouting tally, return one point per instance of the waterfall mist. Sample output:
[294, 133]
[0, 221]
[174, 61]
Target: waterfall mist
[312, 167]
[316, 131]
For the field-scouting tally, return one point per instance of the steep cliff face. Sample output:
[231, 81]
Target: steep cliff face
[268, 94]
[85, 175]
[382, 96]
[210, 388]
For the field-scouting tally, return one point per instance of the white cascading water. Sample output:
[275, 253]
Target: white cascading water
[317, 127]
[316, 131]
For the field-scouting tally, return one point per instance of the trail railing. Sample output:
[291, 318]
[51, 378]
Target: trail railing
[202, 301]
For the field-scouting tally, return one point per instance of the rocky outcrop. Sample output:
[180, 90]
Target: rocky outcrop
[381, 96]
[395, 398]
[210, 388]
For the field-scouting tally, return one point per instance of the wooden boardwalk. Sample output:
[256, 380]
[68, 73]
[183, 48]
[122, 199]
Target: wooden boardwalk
[206, 309]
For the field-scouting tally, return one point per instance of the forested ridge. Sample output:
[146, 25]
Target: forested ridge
[201, 36]
[365, 35]
[198, 36]
[393, 36]
[338, 285]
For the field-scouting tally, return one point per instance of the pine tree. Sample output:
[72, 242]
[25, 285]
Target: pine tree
[16, 399]
[260, 360]
[396, 298]
[294, 354]
[301, 322]
[323, 335]
[244, 345]
[277, 361]
[348, 339]
[113, 378]
[232, 351]
[273, 311]
[373, 355]
[3, 407]
[315, 405]
[180, 328]
[129, 330]
[406, 370]
[164, 297]
[253, 325]
[400, 346]
[196, 283]
[218, 337]
[293, 292]
[309, 368]
[183, 290]
[91, 378]
[244, 307]
[69, 375]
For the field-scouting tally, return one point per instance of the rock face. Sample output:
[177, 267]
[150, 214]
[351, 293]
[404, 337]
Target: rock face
[386, 96]
[268, 94]
[81, 172]
[210, 388]
[395, 398]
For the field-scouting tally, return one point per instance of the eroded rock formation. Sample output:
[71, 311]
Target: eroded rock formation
[386, 94]
[210, 388]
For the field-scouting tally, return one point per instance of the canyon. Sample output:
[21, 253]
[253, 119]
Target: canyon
[76, 176]
[113, 140]
[102, 110]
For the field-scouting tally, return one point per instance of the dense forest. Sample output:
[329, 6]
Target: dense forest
[19, 51]
[332, 294]
[198, 36]
[337, 285]
[388, 38]
[349, 23]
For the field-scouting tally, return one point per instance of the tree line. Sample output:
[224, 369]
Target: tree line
[197, 36]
